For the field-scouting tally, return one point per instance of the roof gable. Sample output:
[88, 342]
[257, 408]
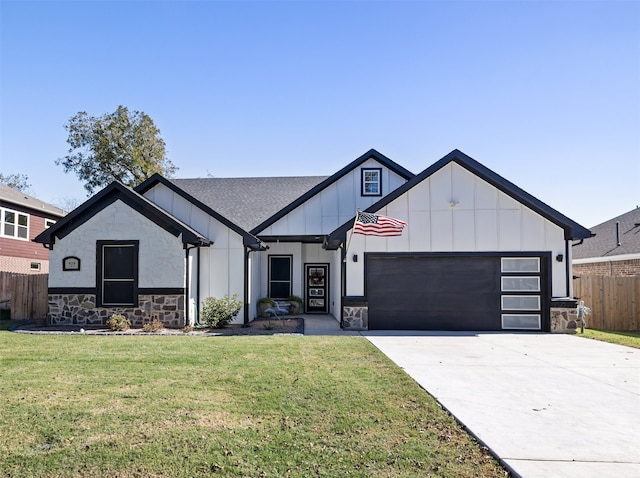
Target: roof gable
[248, 239]
[572, 230]
[113, 192]
[371, 154]
[615, 237]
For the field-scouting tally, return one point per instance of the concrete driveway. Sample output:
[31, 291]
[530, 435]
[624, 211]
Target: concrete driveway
[547, 405]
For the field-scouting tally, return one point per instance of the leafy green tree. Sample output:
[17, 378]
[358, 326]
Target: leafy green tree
[16, 181]
[121, 146]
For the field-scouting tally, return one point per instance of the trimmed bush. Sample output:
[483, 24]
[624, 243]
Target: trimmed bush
[217, 313]
[118, 322]
[154, 326]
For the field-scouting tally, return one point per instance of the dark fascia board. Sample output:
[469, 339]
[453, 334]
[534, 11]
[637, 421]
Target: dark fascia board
[572, 230]
[306, 239]
[248, 239]
[371, 154]
[137, 202]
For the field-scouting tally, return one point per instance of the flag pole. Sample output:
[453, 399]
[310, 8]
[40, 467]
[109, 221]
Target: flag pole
[351, 235]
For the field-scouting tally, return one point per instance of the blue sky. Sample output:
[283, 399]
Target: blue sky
[545, 93]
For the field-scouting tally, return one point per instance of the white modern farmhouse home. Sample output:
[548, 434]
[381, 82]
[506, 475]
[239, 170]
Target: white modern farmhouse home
[477, 252]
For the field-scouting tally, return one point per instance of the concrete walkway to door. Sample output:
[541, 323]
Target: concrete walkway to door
[547, 405]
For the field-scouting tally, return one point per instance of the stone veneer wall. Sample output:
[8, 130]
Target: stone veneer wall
[80, 309]
[564, 320]
[355, 314]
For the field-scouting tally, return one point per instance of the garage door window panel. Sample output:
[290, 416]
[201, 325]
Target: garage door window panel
[519, 283]
[521, 321]
[520, 302]
[520, 265]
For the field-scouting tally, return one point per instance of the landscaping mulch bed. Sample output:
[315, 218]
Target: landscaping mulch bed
[255, 327]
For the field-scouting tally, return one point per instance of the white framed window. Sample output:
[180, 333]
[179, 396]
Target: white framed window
[14, 224]
[371, 184]
[48, 223]
[520, 302]
[521, 321]
[35, 266]
[520, 284]
[520, 264]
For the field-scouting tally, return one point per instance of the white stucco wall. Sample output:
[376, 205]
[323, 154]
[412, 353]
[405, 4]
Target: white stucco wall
[333, 206]
[221, 267]
[455, 211]
[161, 256]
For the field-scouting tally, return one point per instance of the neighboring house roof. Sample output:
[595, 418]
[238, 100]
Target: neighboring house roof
[572, 230]
[13, 196]
[113, 192]
[611, 241]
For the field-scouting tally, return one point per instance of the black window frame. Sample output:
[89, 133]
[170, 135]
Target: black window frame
[100, 281]
[363, 172]
[290, 281]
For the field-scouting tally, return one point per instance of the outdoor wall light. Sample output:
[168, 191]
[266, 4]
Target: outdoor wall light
[559, 257]
[355, 258]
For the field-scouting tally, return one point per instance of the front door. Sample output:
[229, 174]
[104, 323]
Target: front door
[317, 296]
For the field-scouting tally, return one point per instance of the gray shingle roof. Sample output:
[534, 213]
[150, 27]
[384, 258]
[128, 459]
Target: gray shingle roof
[248, 202]
[13, 196]
[604, 243]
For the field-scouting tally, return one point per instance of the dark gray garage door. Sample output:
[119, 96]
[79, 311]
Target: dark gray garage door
[450, 292]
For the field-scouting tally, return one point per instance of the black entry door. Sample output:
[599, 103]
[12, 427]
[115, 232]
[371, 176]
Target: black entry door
[427, 292]
[317, 288]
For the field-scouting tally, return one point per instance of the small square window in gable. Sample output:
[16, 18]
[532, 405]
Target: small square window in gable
[371, 181]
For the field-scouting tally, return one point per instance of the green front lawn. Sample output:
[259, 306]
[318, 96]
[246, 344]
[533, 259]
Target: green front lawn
[192, 406]
[630, 339]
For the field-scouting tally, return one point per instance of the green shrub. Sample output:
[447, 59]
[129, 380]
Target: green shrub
[295, 298]
[118, 322]
[267, 300]
[154, 326]
[217, 313]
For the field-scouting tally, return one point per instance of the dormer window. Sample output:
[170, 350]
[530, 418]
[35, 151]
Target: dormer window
[371, 181]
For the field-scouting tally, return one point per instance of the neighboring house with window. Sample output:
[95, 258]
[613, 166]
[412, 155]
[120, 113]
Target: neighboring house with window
[22, 218]
[478, 253]
[614, 250]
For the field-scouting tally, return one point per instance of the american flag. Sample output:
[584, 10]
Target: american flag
[375, 225]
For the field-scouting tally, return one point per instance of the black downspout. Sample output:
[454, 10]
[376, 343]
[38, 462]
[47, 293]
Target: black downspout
[343, 273]
[246, 284]
[568, 276]
[197, 310]
[186, 286]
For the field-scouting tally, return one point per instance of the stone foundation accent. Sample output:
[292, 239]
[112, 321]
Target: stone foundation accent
[80, 309]
[355, 314]
[564, 316]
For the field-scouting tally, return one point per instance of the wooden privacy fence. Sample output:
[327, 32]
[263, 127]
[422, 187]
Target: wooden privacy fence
[614, 301]
[27, 294]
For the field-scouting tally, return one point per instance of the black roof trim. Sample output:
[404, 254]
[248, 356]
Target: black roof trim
[108, 196]
[371, 154]
[248, 239]
[306, 239]
[572, 230]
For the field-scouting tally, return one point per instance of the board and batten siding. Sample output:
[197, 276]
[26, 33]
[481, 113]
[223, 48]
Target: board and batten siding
[334, 205]
[160, 260]
[221, 267]
[453, 210]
